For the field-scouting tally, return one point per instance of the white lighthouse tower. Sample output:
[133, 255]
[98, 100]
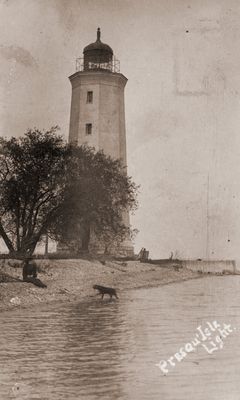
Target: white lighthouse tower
[97, 108]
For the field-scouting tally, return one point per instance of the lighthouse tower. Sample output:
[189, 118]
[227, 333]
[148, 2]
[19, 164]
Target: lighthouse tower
[97, 116]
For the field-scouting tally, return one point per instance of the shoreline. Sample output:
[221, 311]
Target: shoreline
[72, 280]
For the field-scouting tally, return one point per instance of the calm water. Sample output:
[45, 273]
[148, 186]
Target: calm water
[108, 350]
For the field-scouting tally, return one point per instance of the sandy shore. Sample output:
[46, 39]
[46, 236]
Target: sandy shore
[69, 280]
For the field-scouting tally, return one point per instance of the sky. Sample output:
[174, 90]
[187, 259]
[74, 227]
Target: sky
[182, 105]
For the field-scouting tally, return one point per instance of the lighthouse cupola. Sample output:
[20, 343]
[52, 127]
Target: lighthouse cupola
[98, 56]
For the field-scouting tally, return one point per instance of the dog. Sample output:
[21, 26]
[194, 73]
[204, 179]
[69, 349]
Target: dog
[105, 290]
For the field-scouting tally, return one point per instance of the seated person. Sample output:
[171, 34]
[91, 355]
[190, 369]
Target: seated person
[29, 268]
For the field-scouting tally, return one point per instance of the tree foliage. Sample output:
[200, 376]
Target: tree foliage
[50, 187]
[31, 187]
[98, 192]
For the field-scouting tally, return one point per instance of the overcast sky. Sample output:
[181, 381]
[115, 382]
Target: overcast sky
[182, 60]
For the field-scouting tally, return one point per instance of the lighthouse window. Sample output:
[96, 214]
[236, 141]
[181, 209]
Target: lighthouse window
[89, 97]
[88, 129]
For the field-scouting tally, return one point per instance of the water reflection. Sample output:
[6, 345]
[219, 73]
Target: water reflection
[108, 349]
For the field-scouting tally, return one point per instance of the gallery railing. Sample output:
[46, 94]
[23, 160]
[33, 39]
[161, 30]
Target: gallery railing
[111, 66]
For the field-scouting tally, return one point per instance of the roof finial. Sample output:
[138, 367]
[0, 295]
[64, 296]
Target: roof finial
[98, 34]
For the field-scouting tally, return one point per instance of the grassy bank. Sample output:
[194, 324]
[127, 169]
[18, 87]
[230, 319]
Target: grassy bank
[69, 280]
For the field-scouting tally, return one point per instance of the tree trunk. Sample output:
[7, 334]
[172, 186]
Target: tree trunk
[46, 247]
[86, 238]
[6, 239]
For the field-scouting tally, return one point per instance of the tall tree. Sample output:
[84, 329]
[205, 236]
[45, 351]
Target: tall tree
[98, 192]
[31, 187]
[49, 187]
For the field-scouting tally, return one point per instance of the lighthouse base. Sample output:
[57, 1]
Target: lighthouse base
[124, 249]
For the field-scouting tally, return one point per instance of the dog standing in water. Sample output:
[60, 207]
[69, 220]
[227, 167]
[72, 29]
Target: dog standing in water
[105, 290]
